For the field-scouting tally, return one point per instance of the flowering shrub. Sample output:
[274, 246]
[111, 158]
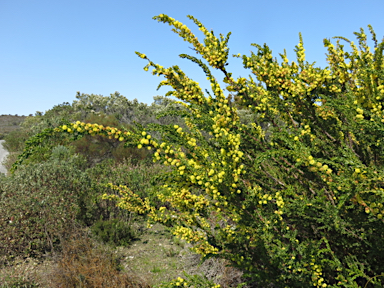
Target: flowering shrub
[300, 208]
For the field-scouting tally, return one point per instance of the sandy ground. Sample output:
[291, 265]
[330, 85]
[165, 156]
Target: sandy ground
[3, 154]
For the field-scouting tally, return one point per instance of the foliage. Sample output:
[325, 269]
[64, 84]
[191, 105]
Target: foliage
[9, 123]
[19, 283]
[14, 140]
[51, 118]
[140, 177]
[113, 232]
[302, 207]
[195, 281]
[124, 110]
[39, 203]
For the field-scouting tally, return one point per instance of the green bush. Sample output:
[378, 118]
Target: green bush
[14, 140]
[113, 232]
[140, 177]
[196, 281]
[39, 203]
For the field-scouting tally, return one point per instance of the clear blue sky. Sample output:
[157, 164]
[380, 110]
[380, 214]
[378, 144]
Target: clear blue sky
[51, 49]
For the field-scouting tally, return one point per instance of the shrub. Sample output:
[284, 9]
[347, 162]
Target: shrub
[38, 204]
[300, 208]
[97, 149]
[14, 140]
[113, 232]
[140, 177]
[196, 281]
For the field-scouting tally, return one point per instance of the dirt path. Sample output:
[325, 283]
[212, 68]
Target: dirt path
[3, 154]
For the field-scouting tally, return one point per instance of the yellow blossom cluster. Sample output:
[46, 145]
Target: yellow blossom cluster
[214, 50]
[198, 238]
[129, 200]
[82, 128]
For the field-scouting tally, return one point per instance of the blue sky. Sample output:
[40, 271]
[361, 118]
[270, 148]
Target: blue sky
[51, 49]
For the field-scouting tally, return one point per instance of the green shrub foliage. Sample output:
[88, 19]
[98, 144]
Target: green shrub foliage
[14, 140]
[39, 204]
[113, 232]
[299, 208]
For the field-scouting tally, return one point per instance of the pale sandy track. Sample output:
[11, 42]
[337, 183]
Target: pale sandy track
[3, 154]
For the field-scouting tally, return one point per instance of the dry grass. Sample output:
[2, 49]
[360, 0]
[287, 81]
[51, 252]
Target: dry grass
[85, 263]
[82, 262]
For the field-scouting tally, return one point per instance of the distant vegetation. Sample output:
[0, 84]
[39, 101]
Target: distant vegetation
[9, 123]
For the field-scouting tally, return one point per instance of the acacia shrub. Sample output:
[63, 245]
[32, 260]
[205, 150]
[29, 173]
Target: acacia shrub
[300, 208]
[140, 177]
[97, 149]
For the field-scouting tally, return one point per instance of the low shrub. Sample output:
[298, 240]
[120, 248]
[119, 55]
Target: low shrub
[38, 203]
[140, 177]
[114, 232]
[196, 281]
[14, 140]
